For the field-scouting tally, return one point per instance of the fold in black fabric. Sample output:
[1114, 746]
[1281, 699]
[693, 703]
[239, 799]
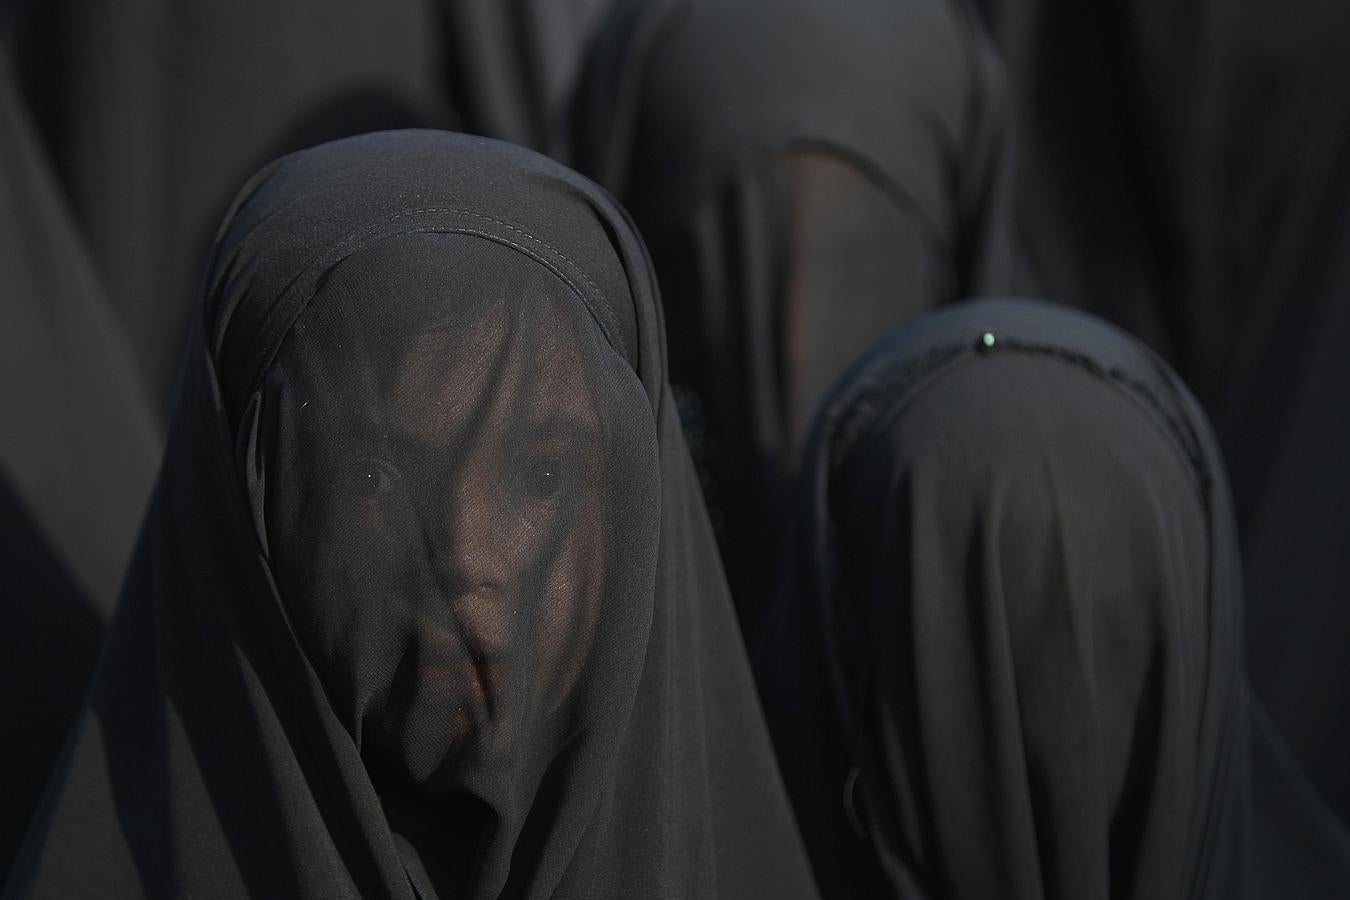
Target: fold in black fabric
[1303, 847]
[426, 603]
[78, 448]
[155, 112]
[519, 63]
[1184, 170]
[1280, 413]
[1008, 661]
[1102, 97]
[790, 162]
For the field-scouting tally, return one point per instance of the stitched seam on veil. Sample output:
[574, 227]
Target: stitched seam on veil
[352, 242]
[599, 312]
[518, 230]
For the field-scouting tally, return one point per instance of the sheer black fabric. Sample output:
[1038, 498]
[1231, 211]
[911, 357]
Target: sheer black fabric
[78, 449]
[790, 162]
[427, 603]
[1185, 171]
[1008, 661]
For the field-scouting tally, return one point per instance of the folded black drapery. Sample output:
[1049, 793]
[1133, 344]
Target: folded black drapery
[426, 603]
[1008, 658]
[78, 448]
[1184, 171]
[808, 175]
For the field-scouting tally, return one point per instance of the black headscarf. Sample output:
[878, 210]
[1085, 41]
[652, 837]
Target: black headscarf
[1184, 170]
[426, 603]
[78, 450]
[1016, 618]
[780, 155]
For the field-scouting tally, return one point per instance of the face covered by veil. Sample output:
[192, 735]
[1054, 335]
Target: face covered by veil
[1008, 661]
[445, 517]
[808, 176]
[426, 604]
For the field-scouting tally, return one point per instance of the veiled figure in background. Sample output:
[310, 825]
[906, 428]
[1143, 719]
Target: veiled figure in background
[1007, 658]
[808, 175]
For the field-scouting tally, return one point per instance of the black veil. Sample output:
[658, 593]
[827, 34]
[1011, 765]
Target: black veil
[1017, 603]
[790, 164]
[427, 603]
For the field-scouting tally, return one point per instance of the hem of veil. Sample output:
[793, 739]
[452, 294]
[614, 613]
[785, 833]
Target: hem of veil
[773, 133]
[859, 421]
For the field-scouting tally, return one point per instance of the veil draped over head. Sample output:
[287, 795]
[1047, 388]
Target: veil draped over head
[808, 175]
[426, 603]
[1018, 604]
